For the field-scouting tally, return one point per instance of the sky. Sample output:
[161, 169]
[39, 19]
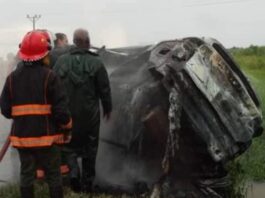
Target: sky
[117, 23]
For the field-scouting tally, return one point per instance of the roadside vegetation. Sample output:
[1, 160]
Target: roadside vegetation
[41, 191]
[249, 166]
[252, 62]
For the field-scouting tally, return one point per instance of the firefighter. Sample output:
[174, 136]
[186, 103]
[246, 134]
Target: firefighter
[59, 42]
[34, 98]
[86, 81]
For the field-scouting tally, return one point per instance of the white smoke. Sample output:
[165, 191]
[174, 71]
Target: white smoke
[114, 35]
[9, 166]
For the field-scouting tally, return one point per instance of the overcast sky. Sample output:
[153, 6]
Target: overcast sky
[117, 23]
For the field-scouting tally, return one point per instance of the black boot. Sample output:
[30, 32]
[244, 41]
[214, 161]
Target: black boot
[27, 192]
[75, 185]
[87, 188]
[56, 192]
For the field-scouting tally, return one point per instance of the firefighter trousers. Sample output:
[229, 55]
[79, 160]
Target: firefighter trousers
[49, 158]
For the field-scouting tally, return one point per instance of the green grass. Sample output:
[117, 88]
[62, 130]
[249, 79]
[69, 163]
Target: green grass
[251, 165]
[41, 191]
[253, 161]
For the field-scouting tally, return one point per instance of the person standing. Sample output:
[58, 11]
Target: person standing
[87, 83]
[33, 97]
[61, 47]
[61, 40]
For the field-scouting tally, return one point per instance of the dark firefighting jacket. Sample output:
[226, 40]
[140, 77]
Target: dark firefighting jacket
[34, 98]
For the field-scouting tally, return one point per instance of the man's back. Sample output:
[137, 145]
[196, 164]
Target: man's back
[86, 81]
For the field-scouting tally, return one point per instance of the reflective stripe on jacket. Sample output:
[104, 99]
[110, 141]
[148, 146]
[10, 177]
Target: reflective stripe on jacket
[31, 109]
[34, 98]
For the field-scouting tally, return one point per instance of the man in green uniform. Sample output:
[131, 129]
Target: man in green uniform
[86, 81]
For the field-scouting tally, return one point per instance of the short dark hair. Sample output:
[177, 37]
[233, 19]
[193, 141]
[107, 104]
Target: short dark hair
[59, 36]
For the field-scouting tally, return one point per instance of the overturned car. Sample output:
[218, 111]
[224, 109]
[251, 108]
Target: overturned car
[218, 114]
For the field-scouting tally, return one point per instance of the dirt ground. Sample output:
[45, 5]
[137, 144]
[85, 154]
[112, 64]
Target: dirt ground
[256, 190]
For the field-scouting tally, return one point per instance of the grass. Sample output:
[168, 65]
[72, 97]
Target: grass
[251, 165]
[41, 191]
[253, 161]
[252, 62]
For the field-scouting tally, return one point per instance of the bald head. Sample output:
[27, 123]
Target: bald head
[81, 38]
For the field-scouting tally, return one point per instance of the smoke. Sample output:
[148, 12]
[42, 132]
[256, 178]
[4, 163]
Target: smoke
[113, 36]
[121, 162]
[11, 37]
[9, 166]
[119, 170]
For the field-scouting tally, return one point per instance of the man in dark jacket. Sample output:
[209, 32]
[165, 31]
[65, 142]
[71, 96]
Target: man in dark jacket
[61, 47]
[33, 97]
[86, 81]
[61, 40]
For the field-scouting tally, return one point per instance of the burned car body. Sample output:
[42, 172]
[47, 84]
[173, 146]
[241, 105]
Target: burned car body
[233, 116]
[220, 112]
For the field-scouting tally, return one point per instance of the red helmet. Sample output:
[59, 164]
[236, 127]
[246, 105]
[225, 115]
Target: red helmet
[35, 45]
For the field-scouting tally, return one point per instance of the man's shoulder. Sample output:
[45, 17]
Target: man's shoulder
[94, 57]
[89, 56]
[93, 53]
[63, 59]
[22, 69]
[65, 55]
